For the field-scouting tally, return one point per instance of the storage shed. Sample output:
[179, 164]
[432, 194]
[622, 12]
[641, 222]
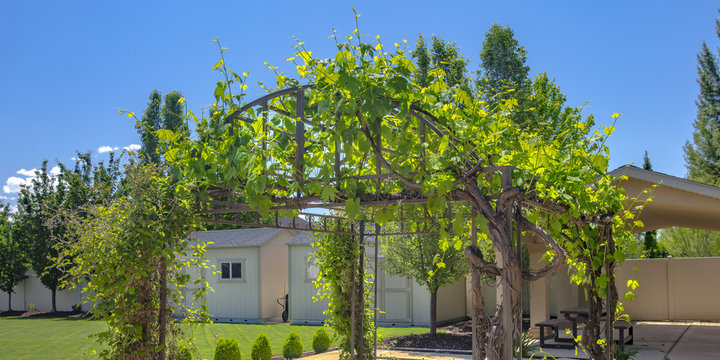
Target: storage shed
[251, 273]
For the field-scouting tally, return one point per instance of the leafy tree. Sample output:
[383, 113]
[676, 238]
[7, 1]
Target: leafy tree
[12, 258]
[124, 250]
[365, 113]
[418, 257]
[37, 205]
[503, 74]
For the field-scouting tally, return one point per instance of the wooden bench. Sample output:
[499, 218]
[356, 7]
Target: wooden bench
[555, 325]
[622, 326]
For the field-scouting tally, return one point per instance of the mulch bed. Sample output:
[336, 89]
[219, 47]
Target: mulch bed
[38, 314]
[457, 336]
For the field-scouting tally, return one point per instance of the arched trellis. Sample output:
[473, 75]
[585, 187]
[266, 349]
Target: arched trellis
[378, 189]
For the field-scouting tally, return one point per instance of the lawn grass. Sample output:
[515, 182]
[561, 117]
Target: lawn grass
[29, 339]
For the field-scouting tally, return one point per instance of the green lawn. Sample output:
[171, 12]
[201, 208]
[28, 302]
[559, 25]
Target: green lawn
[26, 339]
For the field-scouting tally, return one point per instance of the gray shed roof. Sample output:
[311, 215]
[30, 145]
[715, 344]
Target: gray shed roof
[236, 237]
[301, 238]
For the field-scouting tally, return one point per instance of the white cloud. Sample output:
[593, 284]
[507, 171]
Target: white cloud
[24, 172]
[13, 209]
[105, 149]
[132, 147]
[13, 184]
[55, 171]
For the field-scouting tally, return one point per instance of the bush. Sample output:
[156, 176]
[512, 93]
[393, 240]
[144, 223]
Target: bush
[321, 341]
[184, 353]
[261, 349]
[292, 347]
[227, 349]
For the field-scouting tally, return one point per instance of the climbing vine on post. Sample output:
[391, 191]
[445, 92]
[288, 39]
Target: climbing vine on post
[341, 280]
[360, 137]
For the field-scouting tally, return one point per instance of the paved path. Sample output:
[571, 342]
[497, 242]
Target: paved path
[653, 340]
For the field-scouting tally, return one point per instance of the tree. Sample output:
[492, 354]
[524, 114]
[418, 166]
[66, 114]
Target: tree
[12, 259]
[45, 207]
[169, 117]
[503, 74]
[650, 242]
[140, 236]
[685, 242]
[352, 144]
[702, 155]
[37, 204]
[445, 56]
[147, 126]
[417, 257]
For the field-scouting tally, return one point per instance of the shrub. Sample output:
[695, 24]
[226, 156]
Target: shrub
[31, 307]
[292, 347]
[321, 341]
[261, 349]
[184, 353]
[227, 349]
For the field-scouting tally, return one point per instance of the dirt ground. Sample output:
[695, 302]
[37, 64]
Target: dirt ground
[456, 336]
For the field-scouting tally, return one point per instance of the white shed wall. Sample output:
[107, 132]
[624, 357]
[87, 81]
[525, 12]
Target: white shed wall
[303, 310]
[234, 300]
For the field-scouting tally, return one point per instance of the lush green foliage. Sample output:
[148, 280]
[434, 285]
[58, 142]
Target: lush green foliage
[261, 349]
[227, 349]
[67, 339]
[46, 206]
[12, 258]
[685, 242]
[341, 283]
[321, 341]
[124, 251]
[292, 347]
[365, 102]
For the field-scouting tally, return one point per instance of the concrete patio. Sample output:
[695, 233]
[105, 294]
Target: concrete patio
[653, 340]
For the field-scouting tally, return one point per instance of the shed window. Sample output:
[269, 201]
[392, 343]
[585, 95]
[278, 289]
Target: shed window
[231, 270]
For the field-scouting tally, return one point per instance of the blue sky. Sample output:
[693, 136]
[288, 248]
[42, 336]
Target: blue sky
[66, 68]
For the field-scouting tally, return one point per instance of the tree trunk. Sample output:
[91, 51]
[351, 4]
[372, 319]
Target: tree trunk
[433, 311]
[481, 321]
[162, 316]
[54, 292]
[9, 301]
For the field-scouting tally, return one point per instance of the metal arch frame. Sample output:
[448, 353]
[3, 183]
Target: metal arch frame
[214, 209]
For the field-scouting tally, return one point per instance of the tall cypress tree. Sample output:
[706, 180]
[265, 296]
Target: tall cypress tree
[147, 126]
[443, 55]
[159, 115]
[702, 155]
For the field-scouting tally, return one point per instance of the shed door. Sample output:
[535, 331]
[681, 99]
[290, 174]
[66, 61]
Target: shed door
[395, 298]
